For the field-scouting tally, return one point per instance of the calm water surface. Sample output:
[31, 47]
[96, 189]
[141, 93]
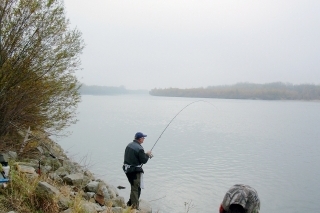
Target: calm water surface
[272, 146]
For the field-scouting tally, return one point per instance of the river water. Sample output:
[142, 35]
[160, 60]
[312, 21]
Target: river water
[212, 144]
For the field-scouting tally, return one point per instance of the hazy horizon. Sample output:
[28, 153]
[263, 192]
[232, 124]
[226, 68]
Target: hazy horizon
[189, 44]
[200, 86]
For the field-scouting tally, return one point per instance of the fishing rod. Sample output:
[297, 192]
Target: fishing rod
[175, 117]
[37, 138]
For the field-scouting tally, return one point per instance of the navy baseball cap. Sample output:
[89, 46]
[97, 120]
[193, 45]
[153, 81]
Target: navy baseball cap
[139, 135]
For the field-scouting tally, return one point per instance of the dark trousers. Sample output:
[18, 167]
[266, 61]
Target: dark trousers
[134, 179]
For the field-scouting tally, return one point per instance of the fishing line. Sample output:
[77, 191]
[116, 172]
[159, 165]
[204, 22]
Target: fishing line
[157, 199]
[175, 117]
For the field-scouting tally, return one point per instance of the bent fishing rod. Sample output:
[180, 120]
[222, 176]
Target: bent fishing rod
[175, 117]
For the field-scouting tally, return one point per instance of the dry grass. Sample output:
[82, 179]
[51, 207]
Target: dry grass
[20, 195]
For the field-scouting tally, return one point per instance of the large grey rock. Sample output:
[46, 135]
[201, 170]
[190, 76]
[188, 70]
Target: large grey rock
[33, 163]
[25, 169]
[92, 186]
[46, 188]
[78, 179]
[90, 207]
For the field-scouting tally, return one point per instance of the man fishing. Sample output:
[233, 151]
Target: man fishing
[134, 158]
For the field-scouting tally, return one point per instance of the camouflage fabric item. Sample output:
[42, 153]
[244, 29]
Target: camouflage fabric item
[243, 195]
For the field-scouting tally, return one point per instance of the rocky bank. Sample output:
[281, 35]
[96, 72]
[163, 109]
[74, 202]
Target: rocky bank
[50, 159]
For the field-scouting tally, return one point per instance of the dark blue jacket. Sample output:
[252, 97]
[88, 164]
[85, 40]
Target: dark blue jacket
[135, 156]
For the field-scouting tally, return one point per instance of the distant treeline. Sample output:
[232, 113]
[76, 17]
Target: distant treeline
[269, 91]
[106, 90]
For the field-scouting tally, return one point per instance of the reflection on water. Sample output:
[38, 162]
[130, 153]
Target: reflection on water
[272, 146]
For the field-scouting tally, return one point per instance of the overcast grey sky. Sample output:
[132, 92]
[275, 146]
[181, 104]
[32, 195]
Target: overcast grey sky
[145, 44]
